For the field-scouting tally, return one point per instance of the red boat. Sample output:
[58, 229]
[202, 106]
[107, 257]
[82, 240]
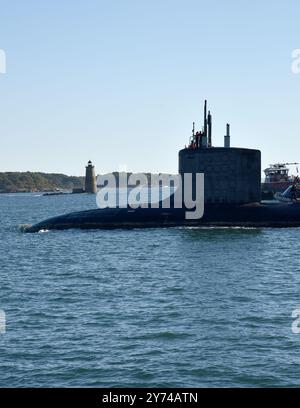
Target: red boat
[277, 179]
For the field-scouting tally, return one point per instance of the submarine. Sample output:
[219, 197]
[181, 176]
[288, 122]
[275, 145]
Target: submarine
[231, 194]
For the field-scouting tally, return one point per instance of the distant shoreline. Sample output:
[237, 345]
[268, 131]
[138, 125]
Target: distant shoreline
[38, 182]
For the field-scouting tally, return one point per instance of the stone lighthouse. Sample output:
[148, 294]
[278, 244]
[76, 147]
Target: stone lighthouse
[90, 179]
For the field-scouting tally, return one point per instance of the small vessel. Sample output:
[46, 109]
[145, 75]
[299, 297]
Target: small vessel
[277, 179]
[54, 192]
[289, 194]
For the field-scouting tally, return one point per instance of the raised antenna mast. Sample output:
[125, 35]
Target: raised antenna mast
[205, 118]
[209, 120]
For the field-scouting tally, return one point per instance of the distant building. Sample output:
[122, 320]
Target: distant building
[90, 179]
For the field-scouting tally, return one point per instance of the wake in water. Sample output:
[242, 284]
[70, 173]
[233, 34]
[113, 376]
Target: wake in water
[24, 227]
[206, 227]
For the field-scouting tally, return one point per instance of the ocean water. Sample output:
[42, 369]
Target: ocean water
[152, 308]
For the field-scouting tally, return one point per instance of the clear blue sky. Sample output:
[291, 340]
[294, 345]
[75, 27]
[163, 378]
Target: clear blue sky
[121, 81]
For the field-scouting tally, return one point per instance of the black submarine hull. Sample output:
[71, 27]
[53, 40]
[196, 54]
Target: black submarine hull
[279, 215]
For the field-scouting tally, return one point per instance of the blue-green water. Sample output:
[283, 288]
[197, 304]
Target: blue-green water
[161, 307]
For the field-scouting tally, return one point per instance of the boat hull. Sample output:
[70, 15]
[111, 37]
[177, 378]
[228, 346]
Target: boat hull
[279, 215]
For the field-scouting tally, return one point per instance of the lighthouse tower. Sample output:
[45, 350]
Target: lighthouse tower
[90, 179]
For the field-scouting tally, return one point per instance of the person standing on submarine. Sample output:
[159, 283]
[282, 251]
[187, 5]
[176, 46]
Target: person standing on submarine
[294, 191]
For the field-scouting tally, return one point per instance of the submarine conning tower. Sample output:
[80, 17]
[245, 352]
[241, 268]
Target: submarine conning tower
[231, 175]
[90, 179]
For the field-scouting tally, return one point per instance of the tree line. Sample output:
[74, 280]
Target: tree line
[11, 182]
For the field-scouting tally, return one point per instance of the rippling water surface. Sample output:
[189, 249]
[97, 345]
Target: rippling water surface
[159, 307]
